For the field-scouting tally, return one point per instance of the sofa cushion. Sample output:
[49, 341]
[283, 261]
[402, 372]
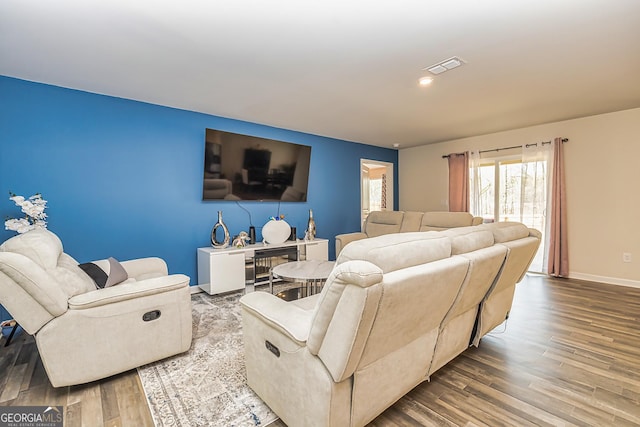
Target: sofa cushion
[383, 222]
[345, 311]
[411, 221]
[507, 231]
[105, 273]
[468, 239]
[445, 220]
[38, 294]
[40, 245]
[393, 252]
[379, 223]
[45, 249]
[70, 277]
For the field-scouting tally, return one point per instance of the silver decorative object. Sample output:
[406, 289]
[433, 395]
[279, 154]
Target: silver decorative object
[240, 240]
[310, 233]
[214, 240]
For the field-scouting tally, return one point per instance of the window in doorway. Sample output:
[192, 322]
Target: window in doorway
[376, 186]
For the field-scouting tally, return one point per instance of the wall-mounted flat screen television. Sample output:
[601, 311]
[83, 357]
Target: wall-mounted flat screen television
[243, 167]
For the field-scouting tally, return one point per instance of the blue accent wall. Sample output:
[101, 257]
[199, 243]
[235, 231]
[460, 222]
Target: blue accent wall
[124, 178]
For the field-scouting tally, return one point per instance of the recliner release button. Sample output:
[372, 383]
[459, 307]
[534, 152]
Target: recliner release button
[151, 315]
[272, 348]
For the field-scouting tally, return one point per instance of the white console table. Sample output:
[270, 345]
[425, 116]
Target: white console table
[231, 268]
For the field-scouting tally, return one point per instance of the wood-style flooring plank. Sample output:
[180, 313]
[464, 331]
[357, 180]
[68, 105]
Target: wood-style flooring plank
[110, 410]
[73, 415]
[14, 382]
[132, 403]
[92, 406]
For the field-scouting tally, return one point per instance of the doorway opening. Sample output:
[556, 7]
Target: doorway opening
[376, 187]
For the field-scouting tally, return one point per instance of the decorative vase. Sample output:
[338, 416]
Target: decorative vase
[214, 239]
[310, 234]
[276, 231]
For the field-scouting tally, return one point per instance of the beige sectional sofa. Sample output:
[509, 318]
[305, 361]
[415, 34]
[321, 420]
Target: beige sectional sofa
[395, 309]
[387, 222]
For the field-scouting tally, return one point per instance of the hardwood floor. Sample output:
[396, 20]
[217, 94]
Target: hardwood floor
[569, 355]
[113, 402]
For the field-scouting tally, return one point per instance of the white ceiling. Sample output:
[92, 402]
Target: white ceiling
[340, 68]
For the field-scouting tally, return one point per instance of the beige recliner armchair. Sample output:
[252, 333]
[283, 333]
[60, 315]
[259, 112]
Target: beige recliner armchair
[84, 333]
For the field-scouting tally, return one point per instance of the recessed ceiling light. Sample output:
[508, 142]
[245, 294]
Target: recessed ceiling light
[446, 65]
[396, 145]
[425, 81]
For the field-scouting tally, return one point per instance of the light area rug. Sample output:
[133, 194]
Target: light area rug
[206, 386]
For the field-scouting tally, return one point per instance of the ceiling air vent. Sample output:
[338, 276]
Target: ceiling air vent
[446, 65]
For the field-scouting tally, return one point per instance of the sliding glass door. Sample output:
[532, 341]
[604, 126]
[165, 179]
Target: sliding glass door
[512, 189]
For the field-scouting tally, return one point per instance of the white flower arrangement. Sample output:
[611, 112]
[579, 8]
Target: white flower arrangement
[33, 209]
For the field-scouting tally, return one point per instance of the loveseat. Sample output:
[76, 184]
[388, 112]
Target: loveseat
[395, 309]
[387, 222]
[84, 333]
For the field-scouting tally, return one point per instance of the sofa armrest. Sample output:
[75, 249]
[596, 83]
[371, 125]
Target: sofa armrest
[128, 291]
[343, 239]
[145, 268]
[140, 268]
[535, 233]
[289, 319]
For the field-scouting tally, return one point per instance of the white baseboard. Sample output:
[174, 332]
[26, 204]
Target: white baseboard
[605, 279]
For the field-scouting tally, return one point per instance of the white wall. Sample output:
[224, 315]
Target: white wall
[602, 161]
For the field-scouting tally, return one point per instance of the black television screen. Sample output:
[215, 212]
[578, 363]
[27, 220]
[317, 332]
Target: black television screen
[243, 167]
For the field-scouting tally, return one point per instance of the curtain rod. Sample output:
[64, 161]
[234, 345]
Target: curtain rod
[505, 148]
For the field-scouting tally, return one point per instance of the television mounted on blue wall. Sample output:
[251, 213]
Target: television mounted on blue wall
[243, 167]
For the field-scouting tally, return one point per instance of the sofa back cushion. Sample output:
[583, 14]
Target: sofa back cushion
[435, 221]
[383, 222]
[27, 289]
[507, 231]
[484, 265]
[402, 338]
[343, 316]
[414, 301]
[411, 221]
[45, 249]
[39, 245]
[397, 251]
[468, 239]
[521, 243]
[28, 292]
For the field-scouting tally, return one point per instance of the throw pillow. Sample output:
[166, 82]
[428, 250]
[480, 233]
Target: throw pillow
[105, 276]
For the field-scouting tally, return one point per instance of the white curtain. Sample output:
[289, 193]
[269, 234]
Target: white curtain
[479, 204]
[535, 195]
